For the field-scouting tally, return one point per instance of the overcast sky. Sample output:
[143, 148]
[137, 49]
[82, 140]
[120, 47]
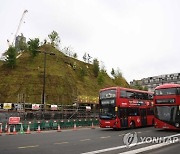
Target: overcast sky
[141, 37]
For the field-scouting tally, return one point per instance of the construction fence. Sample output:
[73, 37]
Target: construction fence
[48, 125]
[49, 120]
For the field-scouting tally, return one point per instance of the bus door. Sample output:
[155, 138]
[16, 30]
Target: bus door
[123, 115]
[143, 117]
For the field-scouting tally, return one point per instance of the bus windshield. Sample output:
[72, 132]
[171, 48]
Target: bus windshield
[168, 113]
[169, 91]
[107, 104]
[107, 112]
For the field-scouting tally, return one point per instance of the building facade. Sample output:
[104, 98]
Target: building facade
[152, 82]
[20, 42]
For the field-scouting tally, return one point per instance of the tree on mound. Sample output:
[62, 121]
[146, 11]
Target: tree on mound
[33, 45]
[11, 57]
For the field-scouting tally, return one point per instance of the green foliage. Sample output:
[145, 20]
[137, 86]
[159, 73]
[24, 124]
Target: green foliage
[85, 57]
[75, 55]
[145, 88]
[82, 73]
[100, 78]
[63, 81]
[118, 78]
[54, 38]
[33, 45]
[11, 57]
[95, 67]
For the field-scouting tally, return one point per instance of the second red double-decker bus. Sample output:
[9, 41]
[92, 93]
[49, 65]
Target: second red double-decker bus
[125, 108]
[167, 106]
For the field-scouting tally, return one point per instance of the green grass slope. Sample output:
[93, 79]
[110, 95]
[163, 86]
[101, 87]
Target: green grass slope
[64, 82]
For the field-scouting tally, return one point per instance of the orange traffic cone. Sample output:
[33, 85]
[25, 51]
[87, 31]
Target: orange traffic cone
[92, 126]
[39, 129]
[75, 126]
[28, 130]
[0, 129]
[59, 128]
[8, 131]
[14, 130]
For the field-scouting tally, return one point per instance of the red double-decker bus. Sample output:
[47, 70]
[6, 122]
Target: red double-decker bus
[167, 106]
[125, 108]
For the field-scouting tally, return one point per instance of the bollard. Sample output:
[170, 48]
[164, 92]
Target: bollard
[0, 129]
[59, 128]
[39, 128]
[21, 129]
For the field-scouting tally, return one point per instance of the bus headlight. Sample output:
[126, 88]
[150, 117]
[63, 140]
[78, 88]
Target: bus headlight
[177, 124]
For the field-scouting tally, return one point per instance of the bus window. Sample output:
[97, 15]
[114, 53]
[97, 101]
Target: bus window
[178, 91]
[130, 94]
[123, 94]
[136, 95]
[140, 95]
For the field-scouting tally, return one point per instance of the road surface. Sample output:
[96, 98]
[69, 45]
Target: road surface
[88, 141]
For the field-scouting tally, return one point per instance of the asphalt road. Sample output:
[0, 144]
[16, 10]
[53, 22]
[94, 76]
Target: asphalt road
[88, 141]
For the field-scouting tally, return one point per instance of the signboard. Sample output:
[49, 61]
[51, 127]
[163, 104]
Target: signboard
[35, 106]
[14, 120]
[7, 106]
[53, 107]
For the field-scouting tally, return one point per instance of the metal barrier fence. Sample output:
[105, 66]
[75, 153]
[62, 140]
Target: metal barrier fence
[48, 120]
[49, 124]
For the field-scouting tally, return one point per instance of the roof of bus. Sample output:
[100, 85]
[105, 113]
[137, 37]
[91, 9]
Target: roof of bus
[128, 89]
[164, 86]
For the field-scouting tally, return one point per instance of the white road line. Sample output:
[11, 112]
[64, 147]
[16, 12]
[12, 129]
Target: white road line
[30, 146]
[123, 146]
[62, 143]
[121, 134]
[105, 150]
[103, 137]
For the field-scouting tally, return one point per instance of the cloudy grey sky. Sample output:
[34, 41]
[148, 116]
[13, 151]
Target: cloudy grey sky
[141, 37]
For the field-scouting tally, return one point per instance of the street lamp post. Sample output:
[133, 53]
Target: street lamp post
[44, 78]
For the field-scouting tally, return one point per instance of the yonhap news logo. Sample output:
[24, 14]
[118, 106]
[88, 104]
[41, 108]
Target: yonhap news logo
[131, 139]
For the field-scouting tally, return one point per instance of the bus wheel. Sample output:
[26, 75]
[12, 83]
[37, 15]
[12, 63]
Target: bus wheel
[132, 124]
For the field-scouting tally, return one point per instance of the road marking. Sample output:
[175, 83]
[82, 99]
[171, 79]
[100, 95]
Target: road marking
[105, 150]
[121, 134]
[62, 143]
[30, 146]
[105, 137]
[122, 146]
[85, 140]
